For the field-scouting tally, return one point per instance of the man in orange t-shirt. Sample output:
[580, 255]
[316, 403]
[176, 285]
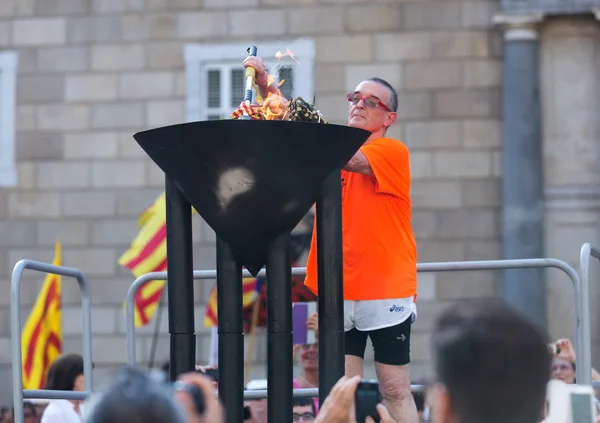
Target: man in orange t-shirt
[379, 250]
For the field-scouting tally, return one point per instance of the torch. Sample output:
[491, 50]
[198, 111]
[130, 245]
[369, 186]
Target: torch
[250, 73]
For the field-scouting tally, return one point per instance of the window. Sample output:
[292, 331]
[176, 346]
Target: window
[8, 83]
[215, 76]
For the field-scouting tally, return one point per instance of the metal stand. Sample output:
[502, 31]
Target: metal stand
[331, 285]
[231, 333]
[180, 281]
[279, 331]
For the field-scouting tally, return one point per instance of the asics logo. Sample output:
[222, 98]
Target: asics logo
[396, 309]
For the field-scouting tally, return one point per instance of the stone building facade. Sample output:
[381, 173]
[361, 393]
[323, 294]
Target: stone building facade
[91, 73]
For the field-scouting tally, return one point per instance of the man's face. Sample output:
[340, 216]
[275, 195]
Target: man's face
[371, 118]
[303, 413]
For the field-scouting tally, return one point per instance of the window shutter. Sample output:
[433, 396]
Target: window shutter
[237, 87]
[286, 74]
[213, 80]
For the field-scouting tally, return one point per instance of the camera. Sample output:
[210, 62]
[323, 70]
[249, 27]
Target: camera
[212, 373]
[554, 348]
[195, 393]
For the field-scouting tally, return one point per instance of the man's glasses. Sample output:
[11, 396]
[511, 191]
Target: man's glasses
[306, 417]
[370, 102]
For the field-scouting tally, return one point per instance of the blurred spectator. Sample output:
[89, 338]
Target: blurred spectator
[564, 362]
[258, 408]
[30, 414]
[492, 366]
[40, 406]
[303, 410]
[65, 374]
[134, 397]
[308, 356]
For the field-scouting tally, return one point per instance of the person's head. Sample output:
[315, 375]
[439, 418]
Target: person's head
[258, 407]
[133, 396]
[40, 405]
[373, 106]
[492, 365]
[563, 370]
[66, 374]
[303, 410]
[29, 412]
[308, 356]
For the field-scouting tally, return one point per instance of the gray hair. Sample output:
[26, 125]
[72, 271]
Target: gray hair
[134, 396]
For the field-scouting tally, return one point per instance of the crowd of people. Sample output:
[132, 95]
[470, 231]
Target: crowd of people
[491, 364]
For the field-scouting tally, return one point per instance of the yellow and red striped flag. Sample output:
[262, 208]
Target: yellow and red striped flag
[148, 253]
[41, 338]
[249, 290]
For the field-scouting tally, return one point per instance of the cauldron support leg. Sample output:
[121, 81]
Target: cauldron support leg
[231, 333]
[331, 286]
[180, 285]
[279, 331]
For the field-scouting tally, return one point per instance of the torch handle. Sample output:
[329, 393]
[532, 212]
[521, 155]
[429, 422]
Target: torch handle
[250, 73]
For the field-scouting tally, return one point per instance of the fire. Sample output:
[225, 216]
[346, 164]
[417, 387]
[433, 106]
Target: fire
[274, 106]
[279, 55]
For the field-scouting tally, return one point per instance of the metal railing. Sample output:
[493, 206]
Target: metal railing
[582, 325]
[585, 352]
[15, 316]
[581, 310]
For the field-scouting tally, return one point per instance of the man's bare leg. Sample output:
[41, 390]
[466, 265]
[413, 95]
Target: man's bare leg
[394, 382]
[354, 366]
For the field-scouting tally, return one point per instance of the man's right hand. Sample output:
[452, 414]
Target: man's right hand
[260, 78]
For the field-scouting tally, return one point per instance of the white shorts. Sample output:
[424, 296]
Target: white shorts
[378, 314]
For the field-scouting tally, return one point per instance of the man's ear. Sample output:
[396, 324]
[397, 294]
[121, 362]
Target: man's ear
[438, 400]
[390, 119]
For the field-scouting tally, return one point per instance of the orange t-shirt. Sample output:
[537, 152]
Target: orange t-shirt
[380, 253]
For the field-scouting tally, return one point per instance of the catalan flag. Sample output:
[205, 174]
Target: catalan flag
[148, 253]
[251, 292]
[41, 338]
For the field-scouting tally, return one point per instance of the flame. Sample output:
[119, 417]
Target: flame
[274, 107]
[279, 55]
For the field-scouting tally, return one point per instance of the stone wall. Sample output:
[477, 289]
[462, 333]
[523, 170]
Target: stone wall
[93, 72]
[570, 50]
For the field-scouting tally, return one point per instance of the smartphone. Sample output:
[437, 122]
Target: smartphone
[300, 314]
[366, 399]
[247, 413]
[554, 348]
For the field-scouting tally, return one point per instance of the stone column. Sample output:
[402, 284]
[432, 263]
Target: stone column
[522, 177]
